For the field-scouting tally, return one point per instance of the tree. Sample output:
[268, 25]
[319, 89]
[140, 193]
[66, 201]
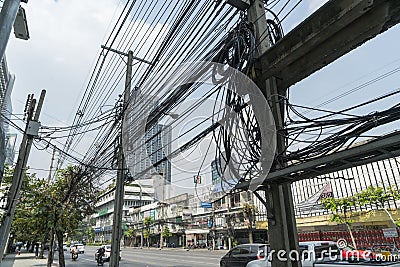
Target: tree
[90, 233]
[45, 209]
[339, 208]
[130, 233]
[146, 232]
[31, 210]
[249, 212]
[74, 198]
[166, 233]
[377, 196]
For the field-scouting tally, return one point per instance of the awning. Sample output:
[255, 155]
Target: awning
[197, 231]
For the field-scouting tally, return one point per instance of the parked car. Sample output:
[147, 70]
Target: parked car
[240, 255]
[107, 253]
[79, 246]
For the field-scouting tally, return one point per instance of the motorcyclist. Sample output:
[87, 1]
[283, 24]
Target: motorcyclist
[100, 253]
[74, 252]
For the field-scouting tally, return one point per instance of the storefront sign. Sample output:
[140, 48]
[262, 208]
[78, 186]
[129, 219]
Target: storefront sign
[390, 232]
[103, 212]
[153, 214]
[206, 205]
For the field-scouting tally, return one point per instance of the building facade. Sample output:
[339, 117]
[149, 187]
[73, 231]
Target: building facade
[6, 85]
[169, 214]
[135, 195]
[147, 143]
[195, 222]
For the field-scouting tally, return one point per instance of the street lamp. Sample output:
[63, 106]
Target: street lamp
[173, 116]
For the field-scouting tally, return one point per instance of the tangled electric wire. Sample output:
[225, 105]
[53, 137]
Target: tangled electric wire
[348, 130]
[238, 50]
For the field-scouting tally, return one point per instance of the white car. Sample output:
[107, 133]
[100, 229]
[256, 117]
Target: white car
[80, 247]
[107, 253]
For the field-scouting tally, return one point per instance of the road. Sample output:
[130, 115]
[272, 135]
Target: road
[133, 257]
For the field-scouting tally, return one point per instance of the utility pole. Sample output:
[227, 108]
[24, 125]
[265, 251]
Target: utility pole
[213, 229]
[50, 257]
[31, 130]
[119, 187]
[282, 230]
[162, 209]
[51, 164]
[8, 14]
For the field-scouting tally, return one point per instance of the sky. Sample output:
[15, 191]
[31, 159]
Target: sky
[65, 40]
[66, 36]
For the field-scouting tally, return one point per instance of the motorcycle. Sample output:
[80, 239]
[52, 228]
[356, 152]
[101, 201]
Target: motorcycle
[100, 261]
[74, 255]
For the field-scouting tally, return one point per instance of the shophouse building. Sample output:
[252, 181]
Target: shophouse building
[136, 194]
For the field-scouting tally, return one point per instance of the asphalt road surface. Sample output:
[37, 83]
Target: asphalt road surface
[134, 257]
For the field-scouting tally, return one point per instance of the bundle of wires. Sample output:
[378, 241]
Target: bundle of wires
[333, 134]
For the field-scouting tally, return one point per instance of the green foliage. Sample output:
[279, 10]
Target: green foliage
[235, 243]
[146, 233]
[8, 175]
[90, 233]
[249, 210]
[369, 196]
[166, 232]
[130, 233]
[378, 196]
[148, 221]
[339, 208]
[32, 215]
[75, 196]
[375, 195]
[61, 205]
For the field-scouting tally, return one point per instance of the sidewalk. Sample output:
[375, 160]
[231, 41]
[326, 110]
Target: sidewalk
[219, 251]
[26, 259]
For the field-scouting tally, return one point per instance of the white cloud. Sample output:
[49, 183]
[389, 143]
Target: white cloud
[65, 40]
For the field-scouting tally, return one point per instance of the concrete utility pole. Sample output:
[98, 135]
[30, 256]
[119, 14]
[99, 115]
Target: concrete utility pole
[213, 228]
[7, 17]
[31, 130]
[281, 221]
[119, 187]
[51, 164]
[162, 209]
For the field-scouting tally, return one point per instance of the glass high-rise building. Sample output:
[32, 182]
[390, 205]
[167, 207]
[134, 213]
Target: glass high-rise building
[146, 154]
